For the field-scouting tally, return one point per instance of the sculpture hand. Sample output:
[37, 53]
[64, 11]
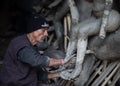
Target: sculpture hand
[65, 74]
[67, 59]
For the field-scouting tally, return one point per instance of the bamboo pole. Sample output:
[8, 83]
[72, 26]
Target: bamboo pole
[69, 22]
[65, 33]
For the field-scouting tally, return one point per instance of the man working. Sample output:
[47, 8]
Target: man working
[22, 60]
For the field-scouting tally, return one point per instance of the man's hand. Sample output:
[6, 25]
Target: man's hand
[55, 62]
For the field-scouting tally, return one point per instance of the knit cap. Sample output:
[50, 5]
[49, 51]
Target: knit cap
[36, 22]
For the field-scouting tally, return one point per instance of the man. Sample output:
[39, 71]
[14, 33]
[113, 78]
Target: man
[22, 60]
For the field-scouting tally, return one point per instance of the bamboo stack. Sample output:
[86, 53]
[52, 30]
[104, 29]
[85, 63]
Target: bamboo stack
[67, 27]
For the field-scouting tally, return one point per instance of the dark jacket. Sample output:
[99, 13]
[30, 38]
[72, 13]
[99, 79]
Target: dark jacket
[14, 71]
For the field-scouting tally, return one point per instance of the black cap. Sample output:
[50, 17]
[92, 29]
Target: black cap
[36, 22]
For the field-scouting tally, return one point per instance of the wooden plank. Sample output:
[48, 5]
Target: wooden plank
[104, 74]
[98, 70]
[115, 78]
[111, 75]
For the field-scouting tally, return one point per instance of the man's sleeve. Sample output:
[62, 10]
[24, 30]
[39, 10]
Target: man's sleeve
[42, 75]
[32, 57]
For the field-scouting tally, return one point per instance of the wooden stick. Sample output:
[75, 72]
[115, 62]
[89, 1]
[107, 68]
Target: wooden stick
[65, 33]
[69, 22]
[111, 74]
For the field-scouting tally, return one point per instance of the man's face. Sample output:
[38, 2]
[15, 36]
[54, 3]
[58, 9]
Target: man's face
[40, 34]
